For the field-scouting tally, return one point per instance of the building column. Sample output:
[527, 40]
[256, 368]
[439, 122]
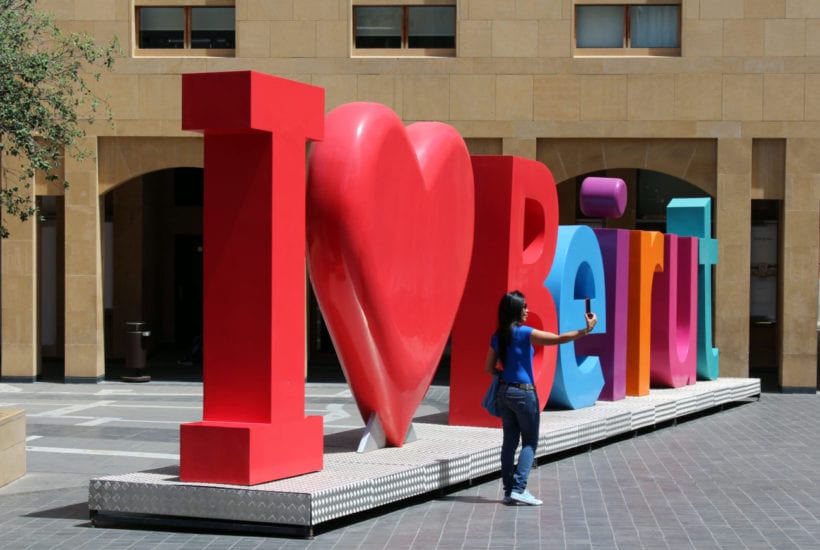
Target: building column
[798, 361]
[18, 279]
[734, 235]
[84, 347]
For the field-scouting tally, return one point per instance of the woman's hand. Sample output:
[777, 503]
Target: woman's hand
[591, 320]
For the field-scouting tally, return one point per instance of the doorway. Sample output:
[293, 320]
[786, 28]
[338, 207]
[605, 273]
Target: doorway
[187, 290]
[764, 302]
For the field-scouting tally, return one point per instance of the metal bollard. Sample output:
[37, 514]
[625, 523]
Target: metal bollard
[135, 354]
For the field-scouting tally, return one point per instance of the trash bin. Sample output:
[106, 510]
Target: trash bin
[135, 352]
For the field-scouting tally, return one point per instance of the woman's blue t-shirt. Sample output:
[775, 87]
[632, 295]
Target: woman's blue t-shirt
[518, 369]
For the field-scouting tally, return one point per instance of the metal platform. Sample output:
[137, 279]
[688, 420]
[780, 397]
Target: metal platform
[353, 482]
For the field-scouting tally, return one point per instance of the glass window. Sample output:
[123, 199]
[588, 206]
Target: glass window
[653, 27]
[162, 27]
[213, 28]
[404, 27]
[186, 27]
[600, 26]
[431, 27]
[378, 27]
[620, 27]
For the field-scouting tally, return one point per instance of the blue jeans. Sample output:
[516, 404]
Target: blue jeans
[520, 418]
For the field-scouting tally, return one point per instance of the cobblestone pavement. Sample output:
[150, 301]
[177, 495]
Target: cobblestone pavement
[744, 477]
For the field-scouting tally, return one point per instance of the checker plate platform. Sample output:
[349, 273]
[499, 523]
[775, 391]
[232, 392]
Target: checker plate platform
[353, 482]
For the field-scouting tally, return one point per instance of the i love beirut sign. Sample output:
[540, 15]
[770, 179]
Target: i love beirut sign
[409, 240]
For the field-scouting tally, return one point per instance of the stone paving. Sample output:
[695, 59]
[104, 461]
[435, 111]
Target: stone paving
[747, 476]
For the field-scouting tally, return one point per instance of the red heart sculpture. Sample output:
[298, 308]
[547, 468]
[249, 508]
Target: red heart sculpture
[389, 232]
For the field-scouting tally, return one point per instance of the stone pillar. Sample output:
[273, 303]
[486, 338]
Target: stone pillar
[798, 275]
[84, 347]
[18, 281]
[733, 217]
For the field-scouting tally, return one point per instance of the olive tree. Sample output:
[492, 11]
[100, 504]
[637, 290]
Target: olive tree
[45, 100]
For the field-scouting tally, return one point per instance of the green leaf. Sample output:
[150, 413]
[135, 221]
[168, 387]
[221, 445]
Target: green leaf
[43, 91]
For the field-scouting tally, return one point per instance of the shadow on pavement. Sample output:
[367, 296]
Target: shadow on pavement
[70, 511]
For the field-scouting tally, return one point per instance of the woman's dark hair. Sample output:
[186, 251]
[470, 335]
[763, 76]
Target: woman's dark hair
[510, 308]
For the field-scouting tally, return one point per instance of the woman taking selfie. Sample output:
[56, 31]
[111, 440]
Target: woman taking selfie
[511, 348]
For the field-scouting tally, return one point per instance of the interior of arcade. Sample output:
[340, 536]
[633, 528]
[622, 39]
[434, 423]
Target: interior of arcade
[152, 263]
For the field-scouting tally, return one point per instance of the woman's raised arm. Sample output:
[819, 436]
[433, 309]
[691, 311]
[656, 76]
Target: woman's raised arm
[544, 338]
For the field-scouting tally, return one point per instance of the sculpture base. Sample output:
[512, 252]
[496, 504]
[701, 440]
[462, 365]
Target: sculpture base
[239, 453]
[352, 482]
[374, 438]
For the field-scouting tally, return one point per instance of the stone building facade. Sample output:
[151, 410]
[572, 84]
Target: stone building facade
[730, 107]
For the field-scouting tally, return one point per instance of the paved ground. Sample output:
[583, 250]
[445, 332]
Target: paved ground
[744, 477]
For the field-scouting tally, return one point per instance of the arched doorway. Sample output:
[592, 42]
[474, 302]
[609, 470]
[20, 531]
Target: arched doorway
[649, 192]
[153, 270]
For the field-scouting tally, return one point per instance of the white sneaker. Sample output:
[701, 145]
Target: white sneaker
[526, 498]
